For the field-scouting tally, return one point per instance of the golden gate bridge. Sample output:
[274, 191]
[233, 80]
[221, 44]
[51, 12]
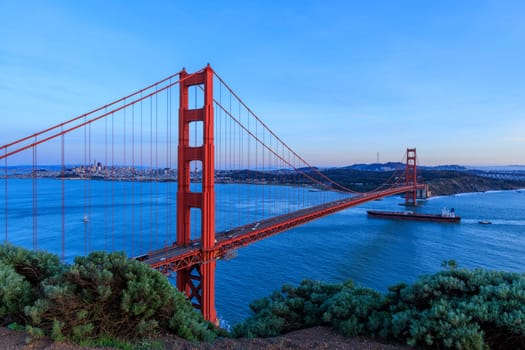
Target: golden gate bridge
[179, 137]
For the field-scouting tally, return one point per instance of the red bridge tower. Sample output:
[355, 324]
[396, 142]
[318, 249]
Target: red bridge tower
[411, 177]
[198, 281]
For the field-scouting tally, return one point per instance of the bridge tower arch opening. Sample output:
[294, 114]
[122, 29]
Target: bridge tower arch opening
[197, 281]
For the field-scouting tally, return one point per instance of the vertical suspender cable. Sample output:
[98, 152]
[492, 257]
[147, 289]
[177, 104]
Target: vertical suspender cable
[224, 135]
[301, 193]
[84, 185]
[106, 167]
[141, 162]
[112, 182]
[124, 183]
[133, 175]
[296, 185]
[35, 197]
[271, 166]
[151, 179]
[218, 140]
[6, 197]
[89, 188]
[248, 164]
[218, 133]
[278, 174]
[166, 236]
[239, 151]
[157, 206]
[171, 226]
[217, 149]
[63, 183]
[292, 180]
[244, 158]
[256, 168]
[285, 175]
[263, 175]
[228, 151]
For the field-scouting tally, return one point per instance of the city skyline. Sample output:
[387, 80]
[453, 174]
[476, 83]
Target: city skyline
[357, 79]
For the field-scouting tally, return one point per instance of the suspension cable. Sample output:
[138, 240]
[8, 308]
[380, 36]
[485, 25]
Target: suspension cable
[344, 189]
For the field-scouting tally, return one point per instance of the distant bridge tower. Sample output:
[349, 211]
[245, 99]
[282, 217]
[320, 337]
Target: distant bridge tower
[411, 177]
[197, 281]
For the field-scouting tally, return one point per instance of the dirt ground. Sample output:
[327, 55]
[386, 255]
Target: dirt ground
[312, 338]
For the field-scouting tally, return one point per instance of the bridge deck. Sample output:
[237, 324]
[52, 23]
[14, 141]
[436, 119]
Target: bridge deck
[175, 258]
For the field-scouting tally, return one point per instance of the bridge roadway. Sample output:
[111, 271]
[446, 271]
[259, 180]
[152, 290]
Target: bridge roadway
[174, 258]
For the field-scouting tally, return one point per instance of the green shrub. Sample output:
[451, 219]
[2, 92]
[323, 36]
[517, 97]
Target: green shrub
[353, 310]
[456, 308]
[465, 309]
[99, 296]
[15, 294]
[21, 273]
[107, 295]
[292, 308]
[34, 266]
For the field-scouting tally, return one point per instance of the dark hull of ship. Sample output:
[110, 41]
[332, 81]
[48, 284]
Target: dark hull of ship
[412, 216]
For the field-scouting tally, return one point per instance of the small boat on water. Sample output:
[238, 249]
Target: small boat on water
[445, 216]
[484, 222]
[85, 219]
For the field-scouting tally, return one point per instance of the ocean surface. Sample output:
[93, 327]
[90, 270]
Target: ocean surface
[373, 252]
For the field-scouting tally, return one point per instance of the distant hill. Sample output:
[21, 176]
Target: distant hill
[452, 167]
[442, 180]
[393, 166]
[447, 182]
[499, 168]
[390, 166]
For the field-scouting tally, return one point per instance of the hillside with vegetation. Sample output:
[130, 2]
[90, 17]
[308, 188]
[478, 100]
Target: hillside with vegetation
[440, 182]
[452, 309]
[361, 178]
[447, 182]
[100, 296]
[107, 299]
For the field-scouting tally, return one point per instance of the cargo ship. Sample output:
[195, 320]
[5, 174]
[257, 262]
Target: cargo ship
[445, 216]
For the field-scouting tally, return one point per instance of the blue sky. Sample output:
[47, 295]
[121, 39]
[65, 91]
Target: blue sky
[339, 81]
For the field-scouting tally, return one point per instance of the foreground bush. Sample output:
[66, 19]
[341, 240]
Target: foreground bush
[15, 294]
[291, 309]
[461, 309]
[99, 296]
[457, 308]
[21, 274]
[35, 267]
[109, 295]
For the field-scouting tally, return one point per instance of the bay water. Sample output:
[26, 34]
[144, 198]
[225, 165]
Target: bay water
[374, 253]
